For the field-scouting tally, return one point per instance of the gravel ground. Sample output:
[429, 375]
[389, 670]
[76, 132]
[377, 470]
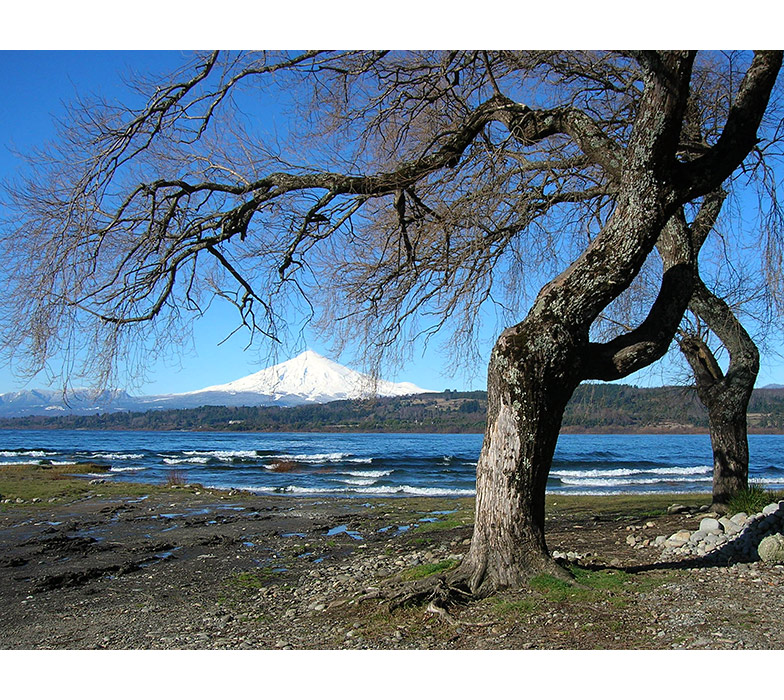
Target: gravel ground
[186, 568]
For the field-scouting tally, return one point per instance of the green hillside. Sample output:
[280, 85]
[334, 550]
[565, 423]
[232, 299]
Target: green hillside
[598, 408]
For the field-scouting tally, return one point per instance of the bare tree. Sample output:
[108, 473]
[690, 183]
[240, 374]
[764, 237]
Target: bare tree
[429, 182]
[725, 395]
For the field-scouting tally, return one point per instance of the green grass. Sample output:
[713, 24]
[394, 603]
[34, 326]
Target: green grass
[448, 524]
[46, 481]
[514, 608]
[588, 585]
[252, 580]
[424, 570]
[752, 500]
[622, 507]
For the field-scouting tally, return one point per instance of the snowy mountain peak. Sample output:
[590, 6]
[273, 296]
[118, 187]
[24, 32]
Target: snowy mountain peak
[312, 378]
[307, 378]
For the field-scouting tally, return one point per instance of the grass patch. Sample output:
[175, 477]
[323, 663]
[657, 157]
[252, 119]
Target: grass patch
[752, 500]
[588, 585]
[424, 570]
[623, 506]
[514, 608]
[48, 481]
[438, 525]
[251, 580]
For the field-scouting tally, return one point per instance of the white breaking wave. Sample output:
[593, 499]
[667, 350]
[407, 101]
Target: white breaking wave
[767, 481]
[605, 473]
[226, 455]
[186, 460]
[376, 473]
[127, 469]
[628, 482]
[326, 457]
[116, 455]
[359, 482]
[19, 464]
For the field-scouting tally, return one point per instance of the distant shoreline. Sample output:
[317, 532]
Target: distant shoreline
[594, 409]
[565, 430]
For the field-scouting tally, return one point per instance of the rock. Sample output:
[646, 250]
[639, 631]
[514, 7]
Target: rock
[711, 525]
[631, 540]
[771, 549]
[676, 508]
[740, 518]
[729, 526]
[770, 509]
[678, 539]
[698, 536]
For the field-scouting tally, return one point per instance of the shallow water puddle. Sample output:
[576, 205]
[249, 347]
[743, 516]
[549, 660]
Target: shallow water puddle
[159, 557]
[400, 529]
[344, 529]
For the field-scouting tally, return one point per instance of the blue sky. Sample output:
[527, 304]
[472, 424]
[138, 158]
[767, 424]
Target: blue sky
[35, 84]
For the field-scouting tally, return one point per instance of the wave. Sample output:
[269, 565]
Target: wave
[127, 469]
[117, 455]
[18, 464]
[365, 491]
[417, 490]
[25, 453]
[629, 482]
[376, 473]
[186, 460]
[223, 455]
[325, 457]
[358, 482]
[663, 471]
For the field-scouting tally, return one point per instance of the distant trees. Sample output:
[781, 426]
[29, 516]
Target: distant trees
[412, 188]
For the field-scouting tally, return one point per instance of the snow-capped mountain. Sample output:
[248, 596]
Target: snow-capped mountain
[311, 378]
[307, 378]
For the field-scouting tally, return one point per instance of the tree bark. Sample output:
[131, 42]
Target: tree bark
[527, 394]
[536, 365]
[725, 396]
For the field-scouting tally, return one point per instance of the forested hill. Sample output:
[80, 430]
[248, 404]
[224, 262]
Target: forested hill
[599, 408]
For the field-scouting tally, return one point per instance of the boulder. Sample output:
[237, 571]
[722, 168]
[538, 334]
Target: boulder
[679, 538]
[771, 549]
[740, 518]
[711, 525]
[730, 527]
[677, 508]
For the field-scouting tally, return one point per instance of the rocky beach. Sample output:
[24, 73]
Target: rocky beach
[89, 564]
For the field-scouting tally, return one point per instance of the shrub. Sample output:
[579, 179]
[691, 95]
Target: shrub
[751, 500]
[175, 477]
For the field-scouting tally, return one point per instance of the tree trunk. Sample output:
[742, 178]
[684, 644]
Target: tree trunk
[725, 396]
[730, 445]
[527, 394]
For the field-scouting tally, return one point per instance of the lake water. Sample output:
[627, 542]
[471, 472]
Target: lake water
[384, 465]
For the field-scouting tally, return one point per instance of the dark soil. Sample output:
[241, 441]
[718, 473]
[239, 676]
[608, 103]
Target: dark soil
[186, 568]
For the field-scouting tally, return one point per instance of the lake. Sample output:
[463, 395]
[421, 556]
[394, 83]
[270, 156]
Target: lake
[365, 465]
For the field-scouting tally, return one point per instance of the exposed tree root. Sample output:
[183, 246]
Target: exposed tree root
[441, 593]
